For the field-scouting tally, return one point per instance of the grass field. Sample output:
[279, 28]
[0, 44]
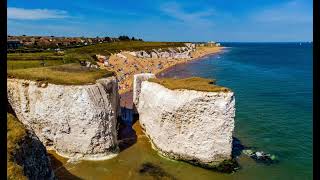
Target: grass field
[12, 65]
[193, 83]
[34, 56]
[67, 74]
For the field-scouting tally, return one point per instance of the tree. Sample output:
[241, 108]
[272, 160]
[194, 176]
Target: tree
[124, 38]
[108, 39]
[133, 39]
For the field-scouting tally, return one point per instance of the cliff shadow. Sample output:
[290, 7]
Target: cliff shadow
[10, 109]
[126, 134]
[237, 147]
[60, 171]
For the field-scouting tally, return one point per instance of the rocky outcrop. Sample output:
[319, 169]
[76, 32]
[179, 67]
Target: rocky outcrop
[190, 46]
[188, 125]
[77, 121]
[27, 157]
[137, 80]
[121, 56]
[32, 156]
[178, 52]
[143, 54]
[101, 58]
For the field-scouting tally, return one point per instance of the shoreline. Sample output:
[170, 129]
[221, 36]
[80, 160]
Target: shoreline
[126, 96]
[190, 61]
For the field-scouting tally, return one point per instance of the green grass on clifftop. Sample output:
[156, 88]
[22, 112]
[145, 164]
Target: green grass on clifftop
[16, 133]
[24, 64]
[34, 56]
[192, 83]
[68, 74]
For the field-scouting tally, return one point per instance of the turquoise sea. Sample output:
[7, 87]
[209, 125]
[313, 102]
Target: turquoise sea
[272, 83]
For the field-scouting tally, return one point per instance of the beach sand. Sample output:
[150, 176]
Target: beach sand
[125, 68]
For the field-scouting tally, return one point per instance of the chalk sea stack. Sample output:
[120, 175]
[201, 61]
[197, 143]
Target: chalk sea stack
[188, 119]
[78, 121]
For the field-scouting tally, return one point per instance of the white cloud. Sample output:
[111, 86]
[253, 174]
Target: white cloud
[294, 11]
[176, 11]
[35, 14]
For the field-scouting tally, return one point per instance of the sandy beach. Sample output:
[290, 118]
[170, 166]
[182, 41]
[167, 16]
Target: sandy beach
[126, 67]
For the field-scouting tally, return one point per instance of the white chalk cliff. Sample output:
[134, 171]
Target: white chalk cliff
[188, 125]
[178, 52]
[77, 121]
[137, 80]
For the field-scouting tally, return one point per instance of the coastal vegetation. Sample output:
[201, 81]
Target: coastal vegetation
[16, 133]
[192, 83]
[101, 48]
[68, 74]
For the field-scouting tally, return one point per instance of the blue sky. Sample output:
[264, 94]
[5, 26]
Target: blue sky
[161, 20]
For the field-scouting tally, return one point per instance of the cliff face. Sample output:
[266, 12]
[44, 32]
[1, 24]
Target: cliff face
[27, 157]
[178, 52]
[76, 121]
[188, 125]
[137, 80]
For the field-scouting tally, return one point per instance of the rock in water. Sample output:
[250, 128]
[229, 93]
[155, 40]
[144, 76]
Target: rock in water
[261, 157]
[76, 121]
[188, 125]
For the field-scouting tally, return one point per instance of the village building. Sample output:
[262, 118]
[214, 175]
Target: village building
[13, 44]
